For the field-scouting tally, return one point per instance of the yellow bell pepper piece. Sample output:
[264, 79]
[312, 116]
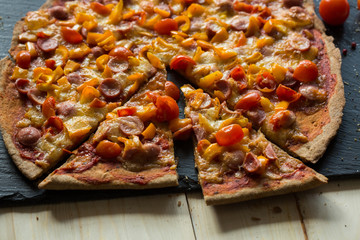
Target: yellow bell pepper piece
[107, 73]
[283, 105]
[266, 104]
[163, 13]
[212, 151]
[116, 13]
[253, 27]
[257, 56]
[80, 52]
[102, 61]
[183, 22]
[278, 72]
[88, 94]
[195, 10]
[149, 132]
[92, 82]
[220, 36]
[155, 61]
[208, 80]
[70, 67]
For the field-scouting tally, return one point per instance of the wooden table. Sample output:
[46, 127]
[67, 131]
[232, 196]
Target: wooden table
[329, 212]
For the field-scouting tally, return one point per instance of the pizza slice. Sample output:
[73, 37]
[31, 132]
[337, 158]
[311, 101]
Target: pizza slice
[132, 148]
[236, 162]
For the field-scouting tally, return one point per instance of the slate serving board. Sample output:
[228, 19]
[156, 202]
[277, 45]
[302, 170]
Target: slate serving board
[342, 159]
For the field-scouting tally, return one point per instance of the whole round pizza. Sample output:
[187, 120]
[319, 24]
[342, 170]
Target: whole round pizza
[85, 101]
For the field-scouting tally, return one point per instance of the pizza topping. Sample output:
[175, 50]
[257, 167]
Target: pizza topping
[74, 78]
[312, 93]
[97, 51]
[300, 43]
[229, 135]
[287, 94]
[269, 152]
[100, 8]
[239, 23]
[233, 159]
[22, 85]
[282, 119]
[248, 101]
[181, 62]
[110, 88]
[238, 74]
[151, 150]
[121, 53]
[107, 149]
[306, 71]
[167, 109]
[23, 59]
[165, 26]
[172, 90]
[59, 12]
[117, 65]
[131, 125]
[265, 82]
[36, 96]
[48, 107]
[224, 87]
[292, 3]
[70, 35]
[256, 116]
[28, 136]
[66, 108]
[47, 44]
[289, 80]
[55, 123]
[251, 163]
[183, 133]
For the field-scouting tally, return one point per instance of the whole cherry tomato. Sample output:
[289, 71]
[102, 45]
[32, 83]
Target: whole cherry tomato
[358, 4]
[248, 101]
[23, 59]
[306, 71]
[165, 26]
[181, 62]
[229, 135]
[167, 109]
[70, 35]
[121, 53]
[107, 149]
[334, 12]
[287, 94]
[172, 90]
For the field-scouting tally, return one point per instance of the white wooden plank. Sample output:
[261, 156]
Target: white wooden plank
[332, 211]
[149, 217]
[269, 218]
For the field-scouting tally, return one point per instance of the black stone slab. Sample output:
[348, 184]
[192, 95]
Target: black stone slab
[340, 160]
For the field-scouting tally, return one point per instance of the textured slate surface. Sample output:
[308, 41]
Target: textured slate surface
[340, 160]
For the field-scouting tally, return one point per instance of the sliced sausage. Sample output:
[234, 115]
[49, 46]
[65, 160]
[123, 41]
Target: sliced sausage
[292, 3]
[289, 80]
[269, 152]
[206, 101]
[212, 28]
[251, 163]
[239, 23]
[200, 132]
[36, 96]
[74, 78]
[151, 150]
[97, 51]
[312, 93]
[300, 43]
[59, 12]
[110, 88]
[118, 65]
[47, 44]
[300, 13]
[22, 85]
[28, 136]
[131, 125]
[257, 117]
[66, 108]
[283, 119]
[183, 133]
[224, 87]
[124, 27]
[233, 159]
[224, 5]
[84, 32]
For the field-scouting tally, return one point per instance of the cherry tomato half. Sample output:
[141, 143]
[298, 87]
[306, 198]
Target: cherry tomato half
[165, 26]
[306, 71]
[100, 8]
[265, 82]
[23, 59]
[70, 35]
[48, 107]
[129, 111]
[181, 62]
[107, 149]
[167, 109]
[334, 12]
[121, 53]
[172, 90]
[248, 101]
[287, 94]
[238, 74]
[229, 135]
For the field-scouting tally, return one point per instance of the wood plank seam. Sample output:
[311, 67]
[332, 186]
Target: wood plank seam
[190, 215]
[297, 201]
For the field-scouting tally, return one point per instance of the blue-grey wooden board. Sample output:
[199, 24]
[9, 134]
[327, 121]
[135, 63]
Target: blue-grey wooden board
[342, 158]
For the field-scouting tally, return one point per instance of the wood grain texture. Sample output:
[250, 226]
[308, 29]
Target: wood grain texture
[269, 218]
[332, 211]
[152, 217]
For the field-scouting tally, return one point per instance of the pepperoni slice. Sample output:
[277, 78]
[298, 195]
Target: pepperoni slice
[22, 85]
[251, 163]
[28, 136]
[110, 88]
[118, 65]
[36, 96]
[47, 44]
[131, 125]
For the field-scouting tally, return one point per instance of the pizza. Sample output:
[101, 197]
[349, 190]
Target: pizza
[85, 94]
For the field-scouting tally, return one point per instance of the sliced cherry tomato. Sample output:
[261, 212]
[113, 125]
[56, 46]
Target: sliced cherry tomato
[265, 82]
[100, 8]
[70, 35]
[55, 124]
[107, 149]
[129, 111]
[165, 26]
[287, 94]
[50, 63]
[282, 119]
[306, 71]
[121, 53]
[238, 74]
[153, 96]
[23, 59]
[242, 7]
[248, 101]
[172, 90]
[181, 62]
[334, 12]
[229, 135]
[358, 4]
[167, 109]
[48, 107]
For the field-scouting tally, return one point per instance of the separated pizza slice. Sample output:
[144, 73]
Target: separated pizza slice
[236, 162]
[131, 149]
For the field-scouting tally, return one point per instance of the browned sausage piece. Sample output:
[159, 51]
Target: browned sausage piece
[118, 65]
[66, 108]
[300, 43]
[269, 152]
[251, 163]
[22, 85]
[28, 136]
[131, 125]
[97, 51]
[289, 80]
[110, 88]
[151, 150]
[183, 133]
[257, 117]
[224, 87]
[233, 159]
[312, 93]
[47, 44]
[59, 12]
[292, 3]
[36, 96]
[239, 23]
[74, 78]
